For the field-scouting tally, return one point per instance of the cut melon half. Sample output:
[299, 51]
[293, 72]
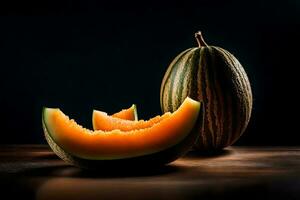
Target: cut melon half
[161, 143]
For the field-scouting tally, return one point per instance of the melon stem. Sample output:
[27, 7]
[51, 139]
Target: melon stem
[200, 40]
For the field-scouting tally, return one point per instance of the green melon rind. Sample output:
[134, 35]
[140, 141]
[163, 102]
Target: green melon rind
[136, 117]
[152, 160]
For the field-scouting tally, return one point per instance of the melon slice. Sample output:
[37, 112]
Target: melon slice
[161, 143]
[102, 121]
[128, 114]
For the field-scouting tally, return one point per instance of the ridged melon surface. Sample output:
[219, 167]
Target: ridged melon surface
[215, 77]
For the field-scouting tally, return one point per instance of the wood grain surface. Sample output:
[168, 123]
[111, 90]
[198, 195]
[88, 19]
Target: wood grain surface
[34, 172]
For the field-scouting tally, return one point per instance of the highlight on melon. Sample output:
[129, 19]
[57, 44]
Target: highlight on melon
[161, 143]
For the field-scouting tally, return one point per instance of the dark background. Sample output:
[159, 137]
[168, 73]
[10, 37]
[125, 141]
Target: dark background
[80, 55]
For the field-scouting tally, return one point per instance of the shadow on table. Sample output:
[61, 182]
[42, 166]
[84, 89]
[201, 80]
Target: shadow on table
[209, 154]
[61, 169]
[47, 156]
[115, 172]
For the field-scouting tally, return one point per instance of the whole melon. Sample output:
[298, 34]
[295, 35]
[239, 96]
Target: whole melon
[215, 77]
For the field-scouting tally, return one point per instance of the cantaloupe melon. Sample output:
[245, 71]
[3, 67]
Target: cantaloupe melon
[161, 143]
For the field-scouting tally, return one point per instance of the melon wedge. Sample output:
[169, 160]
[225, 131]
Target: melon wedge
[159, 144]
[128, 114]
[102, 121]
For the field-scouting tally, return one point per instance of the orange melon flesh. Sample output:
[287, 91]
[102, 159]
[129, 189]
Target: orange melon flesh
[128, 114]
[102, 121]
[117, 144]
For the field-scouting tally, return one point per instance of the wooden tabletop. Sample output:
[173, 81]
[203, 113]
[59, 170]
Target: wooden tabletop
[34, 172]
